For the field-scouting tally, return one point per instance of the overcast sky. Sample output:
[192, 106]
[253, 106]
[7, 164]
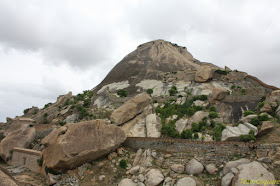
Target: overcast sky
[51, 47]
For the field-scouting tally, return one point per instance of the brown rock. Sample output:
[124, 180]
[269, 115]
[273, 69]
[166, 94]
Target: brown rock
[203, 74]
[266, 108]
[74, 144]
[266, 127]
[6, 180]
[22, 138]
[219, 93]
[131, 108]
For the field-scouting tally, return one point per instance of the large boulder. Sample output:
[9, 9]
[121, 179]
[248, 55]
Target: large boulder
[211, 168]
[131, 108]
[153, 126]
[194, 167]
[219, 93]
[142, 157]
[254, 172]
[233, 164]
[6, 180]
[267, 126]
[197, 117]
[127, 182]
[266, 108]
[186, 181]
[233, 133]
[21, 138]
[248, 118]
[154, 177]
[181, 125]
[74, 144]
[226, 180]
[179, 168]
[203, 74]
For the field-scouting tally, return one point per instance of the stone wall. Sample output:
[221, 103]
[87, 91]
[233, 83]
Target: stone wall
[182, 150]
[27, 157]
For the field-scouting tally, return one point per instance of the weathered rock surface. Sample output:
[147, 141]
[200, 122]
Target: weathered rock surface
[251, 127]
[226, 180]
[248, 118]
[131, 108]
[72, 118]
[21, 137]
[234, 164]
[266, 108]
[75, 144]
[6, 180]
[267, 126]
[142, 157]
[127, 182]
[194, 167]
[168, 182]
[179, 168]
[186, 181]
[203, 74]
[278, 113]
[211, 168]
[153, 126]
[181, 125]
[219, 93]
[253, 171]
[154, 177]
[197, 117]
[233, 133]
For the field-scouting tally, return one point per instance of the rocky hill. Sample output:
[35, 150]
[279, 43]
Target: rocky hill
[157, 92]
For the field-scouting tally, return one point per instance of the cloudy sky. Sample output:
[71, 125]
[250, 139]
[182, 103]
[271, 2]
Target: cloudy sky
[51, 47]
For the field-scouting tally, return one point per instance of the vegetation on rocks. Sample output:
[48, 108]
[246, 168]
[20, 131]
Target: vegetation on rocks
[122, 93]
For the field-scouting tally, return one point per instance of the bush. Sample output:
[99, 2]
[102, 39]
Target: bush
[255, 121]
[149, 91]
[83, 113]
[40, 161]
[195, 136]
[201, 97]
[87, 103]
[47, 105]
[212, 123]
[195, 127]
[122, 93]
[123, 163]
[263, 117]
[61, 123]
[186, 134]
[218, 131]
[26, 110]
[222, 72]
[247, 138]
[213, 115]
[155, 101]
[180, 96]
[233, 87]
[169, 130]
[212, 109]
[243, 91]
[260, 105]
[173, 91]
[248, 112]
[172, 99]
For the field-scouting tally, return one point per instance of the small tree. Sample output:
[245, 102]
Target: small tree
[123, 163]
[173, 91]
[149, 91]
[122, 93]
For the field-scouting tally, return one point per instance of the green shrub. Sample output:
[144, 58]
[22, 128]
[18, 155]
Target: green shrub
[202, 138]
[169, 130]
[233, 87]
[155, 101]
[123, 163]
[195, 127]
[247, 138]
[263, 117]
[243, 91]
[212, 123]
[172, 99]
[83, 113]
[180, 96]
[248, 112]
[47, 105]
[222, 72]
[173, 91]
[195, 136]
[218, 131]
[228, 92]
[87, 103]
[61, 123]
[255, 121]
[260, 105]
[190, 111]
[201, 97]
[149, 91]
[203, 129]
[213, 115]
[186, 134]
[49, 170]
[122, 93]
[26, 110]
[212, 109]
[67, 102]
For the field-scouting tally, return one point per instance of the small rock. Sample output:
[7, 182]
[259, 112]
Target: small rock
[149, 164]
[101, 178]
[134, 170]
[211, 169]
[141, 178]
[179, 168]
[265, 160]
[226, 180]
[100, 165]
[186, 181]
[194, 167]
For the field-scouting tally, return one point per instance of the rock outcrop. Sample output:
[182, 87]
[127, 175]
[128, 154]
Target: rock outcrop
[233, 164]
[194, 167]
[75, 144]
[22, 138]
[153, 126]
[186, 181]
[266, 127]
[203, 74]
[154, 177]
[6, 180]
[219, 93]
[233, 133]
[131, 108]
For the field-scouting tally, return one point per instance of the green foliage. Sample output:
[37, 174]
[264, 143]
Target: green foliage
[26, 110]
[40, 161]
[218, 131]
[149, 91]
[201, 97]
[213, 115]
[233, 87]
[263, 117]
[123, 163]
[169, 130]
[48, 170]
[61, 123]
[172, 99]
[47, 105]
[248, 112]
[260, 105]
[212, 109]
[173, 91]
[212, 123]
[228, 92]
[67, 102]
[186, 134]
[243, 91]
[202, 138]
[247, 138]
[122, 93]
[180, 96]
[255, 121]
[195, 136]
[252, 133]
[87, 103]
[222, 72]
[155, 101]
[83, 113]
[195, 127]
